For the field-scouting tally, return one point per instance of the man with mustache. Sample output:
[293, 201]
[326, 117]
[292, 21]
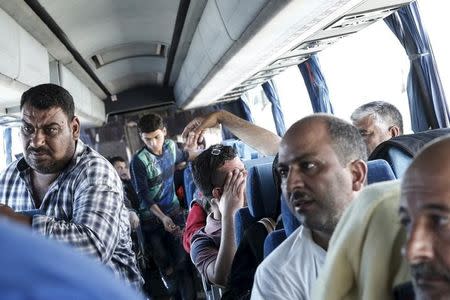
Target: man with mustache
[322, 168]
[425, 213]
[72, 193]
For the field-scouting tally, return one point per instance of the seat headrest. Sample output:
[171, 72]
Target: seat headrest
[379, 170]
[260, 191]
[290, 222]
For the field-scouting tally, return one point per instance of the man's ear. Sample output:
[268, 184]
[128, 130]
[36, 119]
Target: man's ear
[164, 130]
[359, 174]
[75, 127]
[394, 131]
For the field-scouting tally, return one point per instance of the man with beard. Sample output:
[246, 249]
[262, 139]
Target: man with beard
[74, 194]
[322, 168]
[425, 213]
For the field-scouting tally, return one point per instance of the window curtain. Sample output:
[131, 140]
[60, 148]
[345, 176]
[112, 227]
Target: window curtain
[316, 85]
[7, 142]
[247, 114]
[427, 102]
[277, 113]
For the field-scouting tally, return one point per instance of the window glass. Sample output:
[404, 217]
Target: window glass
[260, 107]
[294, 97]
[16, 146]
[436, 23]
[367, 66]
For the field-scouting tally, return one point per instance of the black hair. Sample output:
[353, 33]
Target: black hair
[150, 123]
[207, 163]
[49, 95]
[115, 159]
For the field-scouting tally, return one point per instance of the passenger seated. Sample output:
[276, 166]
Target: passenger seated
[425, 212]
[220, 175]
[35, 268]
[377, 122]
[129, 197]
[76, 190]
[322, 169]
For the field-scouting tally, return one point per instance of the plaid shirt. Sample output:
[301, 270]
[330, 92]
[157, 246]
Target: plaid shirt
[82, 207]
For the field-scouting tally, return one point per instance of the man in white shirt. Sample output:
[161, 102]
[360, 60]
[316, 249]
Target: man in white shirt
[322, 168]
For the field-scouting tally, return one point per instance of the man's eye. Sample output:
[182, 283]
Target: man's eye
[283, 173]
[27, 129]
[308, 166]
[405, 221]
[51, 131]
[439, 220]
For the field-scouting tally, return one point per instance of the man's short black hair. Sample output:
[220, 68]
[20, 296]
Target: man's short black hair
[381, 111]
[207, 163]
[46, 96]
[115, 159]
[150, 123]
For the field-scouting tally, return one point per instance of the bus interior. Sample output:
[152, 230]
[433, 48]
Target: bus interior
[184, 58]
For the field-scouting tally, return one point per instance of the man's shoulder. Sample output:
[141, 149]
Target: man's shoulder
[10, 171]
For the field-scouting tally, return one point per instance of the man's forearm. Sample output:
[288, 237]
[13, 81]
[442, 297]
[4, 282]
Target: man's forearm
[257, 137]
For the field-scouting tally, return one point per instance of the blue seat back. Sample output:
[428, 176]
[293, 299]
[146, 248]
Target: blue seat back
[260, 196]
[379, 170]
[272, 241]
[189, 185]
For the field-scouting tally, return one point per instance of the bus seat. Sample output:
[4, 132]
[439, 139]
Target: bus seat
[189, 185]
[290, 224]
[379, 170]
[399, 151]
[261, 198]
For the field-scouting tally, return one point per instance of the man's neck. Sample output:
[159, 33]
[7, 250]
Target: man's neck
[321, 238]
[40, 185]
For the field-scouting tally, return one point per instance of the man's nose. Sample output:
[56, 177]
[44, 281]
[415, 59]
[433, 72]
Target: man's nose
[294, 179]
[37, 139]
[419, 245]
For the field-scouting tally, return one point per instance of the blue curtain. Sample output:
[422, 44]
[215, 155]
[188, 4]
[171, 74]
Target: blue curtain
[246, 110]
[425, 93]
[7, 141]
[277, 113]
[316, 85]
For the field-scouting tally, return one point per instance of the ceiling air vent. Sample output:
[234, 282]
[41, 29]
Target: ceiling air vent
[288, 61]
[362, 18]
[109, 55]
[314, 46]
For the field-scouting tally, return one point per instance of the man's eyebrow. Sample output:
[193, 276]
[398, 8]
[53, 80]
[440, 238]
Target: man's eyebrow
[435, 206]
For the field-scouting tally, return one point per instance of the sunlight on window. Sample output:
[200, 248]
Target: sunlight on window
[367, 66]
[260, 107]
[293, 95]
[434, 19]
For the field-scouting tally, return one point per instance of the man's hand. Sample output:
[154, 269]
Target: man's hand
[134, 220]
[233, 192]
[8, 212]
[199, 124]
[169, 225]
[192, 140]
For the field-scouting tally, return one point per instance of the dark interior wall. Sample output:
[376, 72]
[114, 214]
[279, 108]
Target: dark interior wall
[119, 132]
[139, 98]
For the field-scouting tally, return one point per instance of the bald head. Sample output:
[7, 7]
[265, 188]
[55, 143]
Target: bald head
[321, 166]
[425, 212]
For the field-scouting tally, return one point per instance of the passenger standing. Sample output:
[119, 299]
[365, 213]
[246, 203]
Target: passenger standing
[162, 219]
[377, 122]
[75, 193]
[130, 196]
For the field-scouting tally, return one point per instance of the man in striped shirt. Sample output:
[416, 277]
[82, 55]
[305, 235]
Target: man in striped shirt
[65, 190]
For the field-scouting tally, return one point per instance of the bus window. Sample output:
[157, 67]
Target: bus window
[16, 146]
[367, 66]
[293, 95]
[260, 107]
[434, 17]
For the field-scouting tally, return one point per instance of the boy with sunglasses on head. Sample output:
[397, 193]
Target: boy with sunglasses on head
[220, 175]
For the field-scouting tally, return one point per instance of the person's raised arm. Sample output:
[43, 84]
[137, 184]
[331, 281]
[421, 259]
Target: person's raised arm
[231, 200]
[256, 137]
